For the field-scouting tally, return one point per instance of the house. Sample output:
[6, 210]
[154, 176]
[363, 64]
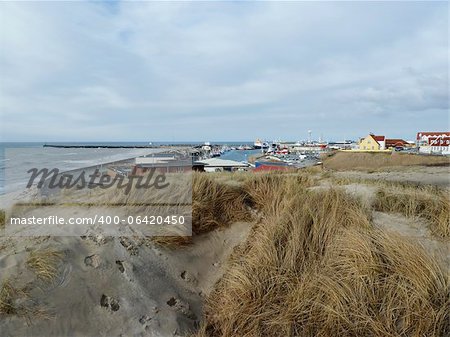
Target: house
[396, 143]
[372, 143]
[433, 142]
[217, 165]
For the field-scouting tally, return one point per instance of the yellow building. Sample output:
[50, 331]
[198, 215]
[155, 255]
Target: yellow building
[372, 143]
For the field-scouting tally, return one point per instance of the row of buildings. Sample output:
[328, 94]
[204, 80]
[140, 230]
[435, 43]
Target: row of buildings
[426, 142]
[186, 160]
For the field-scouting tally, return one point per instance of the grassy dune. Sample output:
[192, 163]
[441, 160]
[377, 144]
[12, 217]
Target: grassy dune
[16, 300]
[411, 200]
[315, 266]
[375, 161]
[215, 204]
[429, 203]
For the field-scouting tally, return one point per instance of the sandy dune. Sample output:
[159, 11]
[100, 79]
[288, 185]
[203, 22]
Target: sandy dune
[117, 286]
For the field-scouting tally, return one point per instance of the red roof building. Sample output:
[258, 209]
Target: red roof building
[394, 142]
[424, 136]
[378, 138]
[433, 142]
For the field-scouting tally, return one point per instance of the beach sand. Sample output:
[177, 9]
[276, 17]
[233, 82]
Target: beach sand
[108, 286]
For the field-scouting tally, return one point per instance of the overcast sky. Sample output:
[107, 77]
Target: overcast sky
[90, 71]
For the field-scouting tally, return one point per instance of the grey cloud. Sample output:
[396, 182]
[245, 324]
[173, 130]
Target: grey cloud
[133, 71]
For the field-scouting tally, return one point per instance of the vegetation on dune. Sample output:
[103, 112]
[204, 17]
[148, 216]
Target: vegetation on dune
[44, 263]
[411, 200]
[8, 296]
[315, 266]
[375, 161]
[429, 203]
[2, 218]
[215, 204]
[12, 299]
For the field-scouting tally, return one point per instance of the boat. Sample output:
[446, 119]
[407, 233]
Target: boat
[206, 146]
[259, 144]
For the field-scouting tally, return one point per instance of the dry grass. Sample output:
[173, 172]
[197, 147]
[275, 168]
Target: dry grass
[426, 202]
[13, 299]
[376, 161]
[370, 284]
[2, 218]
[268, 191]
[215, 204]
[315, 266]
[411, 200]
[44, 263]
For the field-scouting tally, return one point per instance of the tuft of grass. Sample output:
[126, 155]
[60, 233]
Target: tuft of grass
[2, 218]
[269, 191]
[9, 298]
[430, 204]
[217, 204]
[44, 263]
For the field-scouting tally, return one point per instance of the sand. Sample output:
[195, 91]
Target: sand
[438, 176]
[417, 231]
[117, 286]
[120, 286]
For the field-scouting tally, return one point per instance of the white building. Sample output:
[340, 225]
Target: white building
[433, 142]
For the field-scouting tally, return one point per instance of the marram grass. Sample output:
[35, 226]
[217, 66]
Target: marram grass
[315, 266]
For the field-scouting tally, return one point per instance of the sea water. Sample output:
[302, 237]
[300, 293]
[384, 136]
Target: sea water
[17, 158]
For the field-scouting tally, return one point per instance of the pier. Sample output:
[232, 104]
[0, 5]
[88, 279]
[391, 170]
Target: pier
[82, 146]
[123, 146]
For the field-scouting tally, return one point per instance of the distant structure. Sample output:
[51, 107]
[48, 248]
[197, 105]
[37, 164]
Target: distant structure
[343, 145]
[433, 142]
[396, 143]
[372, 143]
[219, 165]
[381, 143]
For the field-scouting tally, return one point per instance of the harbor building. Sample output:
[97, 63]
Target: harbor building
[433, 142]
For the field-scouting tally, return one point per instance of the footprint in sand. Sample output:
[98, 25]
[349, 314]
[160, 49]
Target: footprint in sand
[188, 277]
[129, 245]
[181, 306]
[120, 266]
[109, 303]
[93, 261]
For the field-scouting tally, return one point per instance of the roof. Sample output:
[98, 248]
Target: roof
[164, 164]
[271, 168]
[432, 134]
[270, 163]
[378, 138]
[216, 162]
[395, 141]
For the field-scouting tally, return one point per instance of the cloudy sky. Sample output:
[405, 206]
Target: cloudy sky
[174, 71]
